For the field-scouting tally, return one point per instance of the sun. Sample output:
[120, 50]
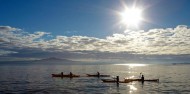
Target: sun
[131, 16]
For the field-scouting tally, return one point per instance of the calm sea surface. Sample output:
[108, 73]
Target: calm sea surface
[22, 79]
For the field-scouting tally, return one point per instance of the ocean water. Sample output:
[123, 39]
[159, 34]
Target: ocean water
[36, 79]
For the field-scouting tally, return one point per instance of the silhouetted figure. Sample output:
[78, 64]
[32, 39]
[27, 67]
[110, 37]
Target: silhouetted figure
[117, 81]
[98, 74]
[71, 74]
[61, 73]
[142, 78]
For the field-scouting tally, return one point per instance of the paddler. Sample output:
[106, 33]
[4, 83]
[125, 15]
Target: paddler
[142, 78]
[71, 74]
[61, 73]
[98, 74]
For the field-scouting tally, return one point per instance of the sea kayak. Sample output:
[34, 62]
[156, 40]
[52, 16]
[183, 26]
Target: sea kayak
[95, 75]
[128, 80]
[151, 80]
[113, 81]
[109, 80]
[67, 75]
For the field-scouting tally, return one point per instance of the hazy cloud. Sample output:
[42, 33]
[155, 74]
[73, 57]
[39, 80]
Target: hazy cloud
[172, 41]
[5, 52]
[7, 28]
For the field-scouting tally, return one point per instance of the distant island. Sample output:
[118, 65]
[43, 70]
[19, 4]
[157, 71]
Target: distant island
[54, 60]
[185, 63]
[50, 60]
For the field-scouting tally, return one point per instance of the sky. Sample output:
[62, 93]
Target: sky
[92, 29]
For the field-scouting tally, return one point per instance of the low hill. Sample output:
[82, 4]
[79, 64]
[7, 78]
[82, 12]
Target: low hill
[53, 60]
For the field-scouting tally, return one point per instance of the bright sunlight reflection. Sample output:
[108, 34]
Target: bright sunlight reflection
[132, 88]
[133, 65]
[131, 16]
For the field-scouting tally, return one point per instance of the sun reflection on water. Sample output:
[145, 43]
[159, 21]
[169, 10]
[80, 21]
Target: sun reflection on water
[132, 70]
[133, 65]
[132, 88]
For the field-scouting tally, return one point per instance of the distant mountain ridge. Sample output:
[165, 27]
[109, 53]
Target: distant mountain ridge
[50, 60]
[185, 63]
[54, 59]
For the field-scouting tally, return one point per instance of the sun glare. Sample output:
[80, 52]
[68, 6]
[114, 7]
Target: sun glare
[131, 16]
[133, 65]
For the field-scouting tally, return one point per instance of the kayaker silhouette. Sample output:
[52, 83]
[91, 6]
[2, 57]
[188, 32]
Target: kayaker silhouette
[71, 74]
[61, 73]
[98, 74]
[142, 78]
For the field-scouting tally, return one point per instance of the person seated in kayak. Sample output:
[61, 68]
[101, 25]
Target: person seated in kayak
[98, 74]
[71, 74]
[142, 78]
[61, 73]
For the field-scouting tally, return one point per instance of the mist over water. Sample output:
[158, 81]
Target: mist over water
[36, 78]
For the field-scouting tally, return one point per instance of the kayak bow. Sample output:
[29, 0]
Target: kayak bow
[95, 75]
[68, 75]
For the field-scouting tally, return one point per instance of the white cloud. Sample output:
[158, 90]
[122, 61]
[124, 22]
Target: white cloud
[6, 52]
[154, 41]
[7, 29]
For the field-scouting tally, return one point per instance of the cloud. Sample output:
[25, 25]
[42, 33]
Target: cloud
[5, 52]
[7, 28]
[169, 41]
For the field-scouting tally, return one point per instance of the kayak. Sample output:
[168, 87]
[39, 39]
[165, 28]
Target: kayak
[128, 80]
[151, 80]
[113, 81]
[95, 75]
[67, 75]
[109, 80]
